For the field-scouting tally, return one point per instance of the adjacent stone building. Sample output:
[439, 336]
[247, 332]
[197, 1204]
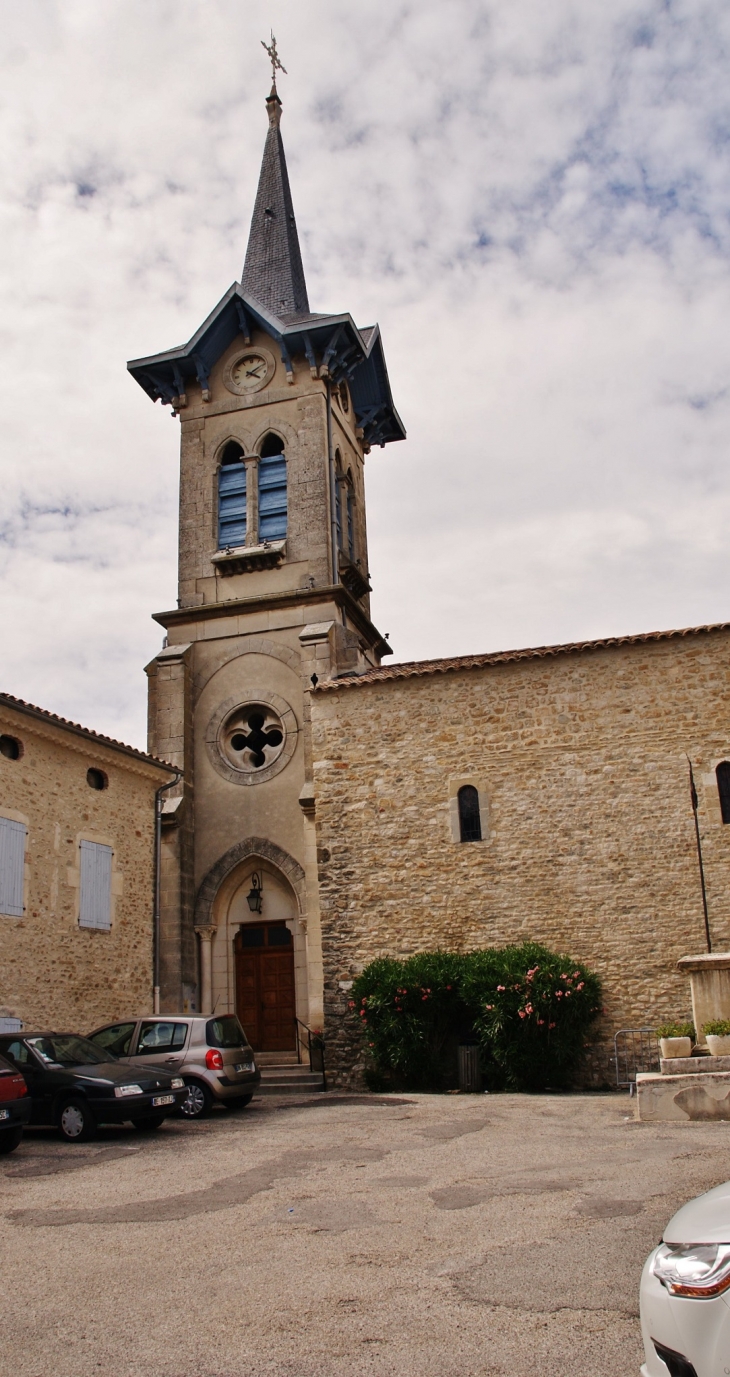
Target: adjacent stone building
[541, 794]
[77, 875]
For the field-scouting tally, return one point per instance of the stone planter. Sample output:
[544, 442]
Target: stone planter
[719, 1045]
[675, 1047]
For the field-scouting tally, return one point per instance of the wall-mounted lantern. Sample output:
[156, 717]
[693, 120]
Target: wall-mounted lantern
[255, 896]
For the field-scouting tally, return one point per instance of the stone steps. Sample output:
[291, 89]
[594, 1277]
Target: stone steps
[288, 1078]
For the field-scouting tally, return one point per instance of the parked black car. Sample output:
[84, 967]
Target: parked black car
[15, 1106]
[74, 1085]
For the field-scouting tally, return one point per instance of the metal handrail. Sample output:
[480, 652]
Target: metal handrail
[315, 1049]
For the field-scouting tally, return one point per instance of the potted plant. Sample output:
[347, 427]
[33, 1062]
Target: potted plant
[717, 1034]
[675, 1039]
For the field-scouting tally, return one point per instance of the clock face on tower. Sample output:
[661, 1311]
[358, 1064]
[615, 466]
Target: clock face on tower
[249, 371]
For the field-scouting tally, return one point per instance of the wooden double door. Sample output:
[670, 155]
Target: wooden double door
[265, 995]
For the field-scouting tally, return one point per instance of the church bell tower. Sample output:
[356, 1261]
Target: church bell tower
[278, 408]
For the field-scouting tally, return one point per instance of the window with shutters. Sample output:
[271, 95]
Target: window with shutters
[12, 867]
[470, 822]
[232, 497]
[95, 881]
[722, 774]
[272, 490]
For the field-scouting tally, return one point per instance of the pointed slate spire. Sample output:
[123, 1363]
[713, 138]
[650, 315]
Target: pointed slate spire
[273, 271]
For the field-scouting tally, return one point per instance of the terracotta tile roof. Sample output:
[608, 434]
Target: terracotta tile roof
[19, 705]
[420, 668]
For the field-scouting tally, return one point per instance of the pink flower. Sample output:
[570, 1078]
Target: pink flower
[552, 1025]
[521, 1013]
[501, 987]
[529, 1009]
[563, 976]
[488, 1006]
[580, 986]
[541, 1021]
[559, 994]
[448, 987]
[351, 1004]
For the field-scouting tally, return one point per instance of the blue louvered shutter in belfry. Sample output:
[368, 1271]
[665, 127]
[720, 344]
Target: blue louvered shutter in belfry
[95, 907]
[272, 498]
[231, 505]
[12, 867]
[338, 512]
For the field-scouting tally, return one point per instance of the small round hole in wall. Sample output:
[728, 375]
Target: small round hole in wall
[11, 747]
[96, 779]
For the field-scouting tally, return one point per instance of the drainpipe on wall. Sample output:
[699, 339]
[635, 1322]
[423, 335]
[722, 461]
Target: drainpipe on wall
[156, 915]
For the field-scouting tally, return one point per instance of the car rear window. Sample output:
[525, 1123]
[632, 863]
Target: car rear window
[225, 1032]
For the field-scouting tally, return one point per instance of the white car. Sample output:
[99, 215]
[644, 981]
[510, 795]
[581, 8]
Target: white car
[685, 1292]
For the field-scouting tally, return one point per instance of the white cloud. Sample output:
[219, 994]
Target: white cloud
[532, 199]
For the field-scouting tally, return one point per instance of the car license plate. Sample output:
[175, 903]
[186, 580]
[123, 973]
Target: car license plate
[245, 1066]
[4, 1113]
[163, 1099]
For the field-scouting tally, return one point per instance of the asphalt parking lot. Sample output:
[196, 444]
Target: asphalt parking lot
[455, 1235]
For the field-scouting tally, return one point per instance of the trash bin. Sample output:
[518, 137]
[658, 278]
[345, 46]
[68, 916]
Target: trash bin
[470, 1072]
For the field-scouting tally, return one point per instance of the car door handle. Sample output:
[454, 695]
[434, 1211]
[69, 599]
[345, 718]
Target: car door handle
[171, 1061]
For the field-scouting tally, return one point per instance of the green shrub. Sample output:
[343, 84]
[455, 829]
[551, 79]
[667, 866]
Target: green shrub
[717, 1027]
[532, 1020]
[676, 1030]
[409, 1012]
[529, 1009]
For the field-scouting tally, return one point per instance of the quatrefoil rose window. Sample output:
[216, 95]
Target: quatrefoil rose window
[253, 737]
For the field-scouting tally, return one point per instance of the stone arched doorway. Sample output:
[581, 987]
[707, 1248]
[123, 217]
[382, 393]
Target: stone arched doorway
[264, 960]
[256, 961]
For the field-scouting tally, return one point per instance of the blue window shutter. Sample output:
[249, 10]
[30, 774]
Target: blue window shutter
[231, 505]
[95, 908]
[338, 512]
[12, 867]
[272, 498]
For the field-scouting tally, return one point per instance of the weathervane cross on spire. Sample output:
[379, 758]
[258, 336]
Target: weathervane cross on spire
[276, 64]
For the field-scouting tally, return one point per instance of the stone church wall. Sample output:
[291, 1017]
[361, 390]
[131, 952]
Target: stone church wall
[580, 759]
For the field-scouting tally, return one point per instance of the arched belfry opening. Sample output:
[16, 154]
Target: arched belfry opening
[272, 489]
[231, 496]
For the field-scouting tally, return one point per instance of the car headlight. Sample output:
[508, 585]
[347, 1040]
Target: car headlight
[699, 1270]
[121, 1090]
[177, 1083]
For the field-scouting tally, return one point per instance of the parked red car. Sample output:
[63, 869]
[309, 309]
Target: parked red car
[15, 1106]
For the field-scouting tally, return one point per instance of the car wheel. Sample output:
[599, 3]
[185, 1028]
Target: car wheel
[149, 1124]
[239, 1102]
[10, 1139]
[197, 1102]
[76, 1121]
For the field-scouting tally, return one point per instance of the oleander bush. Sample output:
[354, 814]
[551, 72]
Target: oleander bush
[529, 1008]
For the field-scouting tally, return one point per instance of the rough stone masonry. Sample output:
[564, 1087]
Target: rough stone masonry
[580, 756]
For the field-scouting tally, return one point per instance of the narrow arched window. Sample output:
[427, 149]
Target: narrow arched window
[338, 498]
[723, 788]
[350, 515]
[470, 823]
[272, 489]
[231, 497]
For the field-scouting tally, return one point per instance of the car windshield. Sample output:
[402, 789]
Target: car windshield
[225, 1032]
[66, 1049]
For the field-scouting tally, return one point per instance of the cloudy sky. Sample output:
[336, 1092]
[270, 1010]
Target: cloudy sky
[532, 199]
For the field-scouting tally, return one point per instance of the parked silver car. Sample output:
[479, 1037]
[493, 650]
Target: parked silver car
[212, 1055]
